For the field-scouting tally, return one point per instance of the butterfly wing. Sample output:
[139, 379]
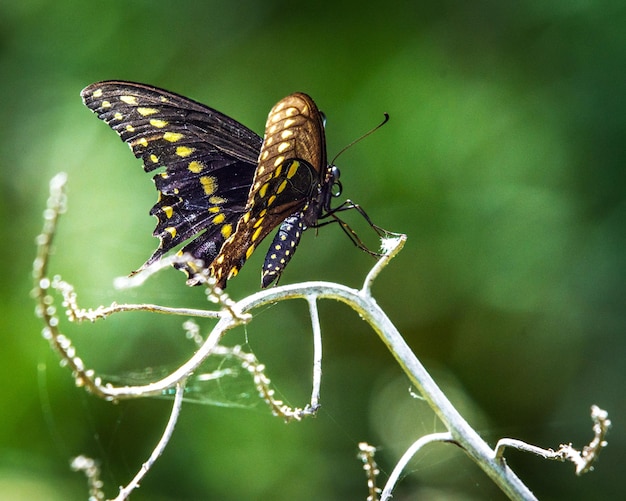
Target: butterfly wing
[209, 161]
[287, 182]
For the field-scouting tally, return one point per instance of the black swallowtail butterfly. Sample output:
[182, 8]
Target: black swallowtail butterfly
[222, 187]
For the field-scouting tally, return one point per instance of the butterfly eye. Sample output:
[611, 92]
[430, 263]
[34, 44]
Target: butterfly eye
[336, 186]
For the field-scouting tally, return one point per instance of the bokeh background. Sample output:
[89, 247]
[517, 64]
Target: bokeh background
[503, 162]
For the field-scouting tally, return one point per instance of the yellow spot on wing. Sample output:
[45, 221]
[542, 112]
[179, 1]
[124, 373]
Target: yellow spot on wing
[286, 134]
[171, 230]
[271, 200]
[283, 146]
[217, 200]
[118, 116]
[184, 151]
[209, 184]
[153, 158]
[168, 211]
[105, 104]
[293, 168]
[97, 93]
[249, 251]
[256, 234]
[279, 160]
[263, 189]
[289, 122]
[144, 112]
[227, 230]
[219, 219]
[282, 186]
[258, 222]
[130, 128]
[214, 210]
[195, 167]
[142, 141]
[172, 137]
[128, 99]
[158, 123]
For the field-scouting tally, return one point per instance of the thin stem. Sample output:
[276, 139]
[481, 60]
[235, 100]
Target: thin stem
[391, 247]
[566, 452]
[406, 457]
[317, 353]
[160, 447]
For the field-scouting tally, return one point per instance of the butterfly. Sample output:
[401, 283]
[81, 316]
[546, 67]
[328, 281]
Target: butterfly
[222, 188]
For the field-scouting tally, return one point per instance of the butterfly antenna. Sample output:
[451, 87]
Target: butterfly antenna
[371, 131]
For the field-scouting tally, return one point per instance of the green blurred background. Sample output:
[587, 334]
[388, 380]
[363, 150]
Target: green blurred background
[503, 162]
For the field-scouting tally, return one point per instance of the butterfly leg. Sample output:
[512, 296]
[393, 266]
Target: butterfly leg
[282, 248]
[352, 235]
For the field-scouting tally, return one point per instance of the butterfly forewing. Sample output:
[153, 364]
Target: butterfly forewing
[291, 166]
[137, 112]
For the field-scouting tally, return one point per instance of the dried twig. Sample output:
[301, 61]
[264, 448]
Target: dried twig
[366, 455]
[566, 452]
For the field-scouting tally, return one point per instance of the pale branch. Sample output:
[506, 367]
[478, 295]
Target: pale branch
[233, 313]
[462, 433]
[92, 471]
[76, 314]
[160, 447]
[317, 354]
[390, 246]
[583, 460]
[360, 301]
[407, 456]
